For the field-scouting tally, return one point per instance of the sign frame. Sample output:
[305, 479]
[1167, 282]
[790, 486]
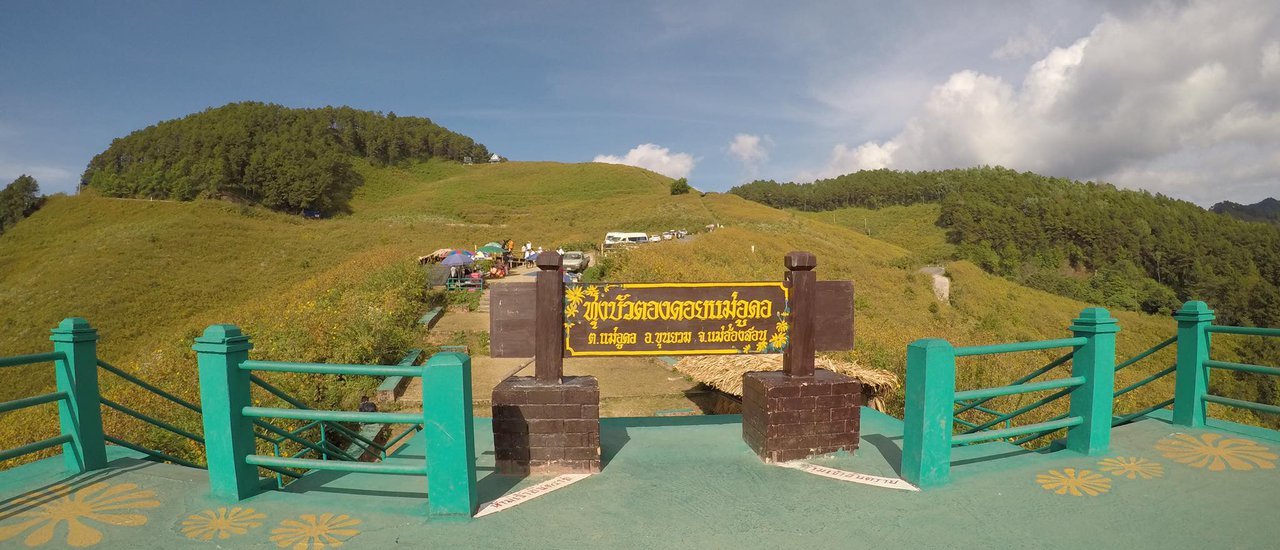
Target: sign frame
[759, 314]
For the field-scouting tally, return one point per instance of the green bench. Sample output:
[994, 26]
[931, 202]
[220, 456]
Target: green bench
[464, 283]
[431, 316]
[392, 386]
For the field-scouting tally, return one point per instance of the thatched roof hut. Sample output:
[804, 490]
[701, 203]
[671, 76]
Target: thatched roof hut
[724, 373]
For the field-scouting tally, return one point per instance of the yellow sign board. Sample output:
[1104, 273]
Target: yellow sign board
[603, 319]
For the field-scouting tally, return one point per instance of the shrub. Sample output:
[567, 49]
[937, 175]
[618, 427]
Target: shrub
[680, 186]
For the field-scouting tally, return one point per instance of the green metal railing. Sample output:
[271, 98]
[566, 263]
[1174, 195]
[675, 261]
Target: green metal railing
[290, 435]
[147, 419]
[933, 405]
[322, 447]
[1121, 420]
[26, 402]
[1191, 393]
[365, 443]
[81, 403]
[226, 380]
[79, 413]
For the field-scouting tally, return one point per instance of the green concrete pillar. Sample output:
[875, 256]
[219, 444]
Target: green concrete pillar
[80, 415]
[1095, 361]
[447, 426]
[1192, 376]
[928, 418]
[224, 392]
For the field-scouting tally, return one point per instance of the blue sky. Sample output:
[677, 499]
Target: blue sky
[722, 92]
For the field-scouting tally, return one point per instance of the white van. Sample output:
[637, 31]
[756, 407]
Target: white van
[615, 239]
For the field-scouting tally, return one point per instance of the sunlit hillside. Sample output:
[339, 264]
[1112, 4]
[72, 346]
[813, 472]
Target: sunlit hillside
[894, 304]
[151, 275]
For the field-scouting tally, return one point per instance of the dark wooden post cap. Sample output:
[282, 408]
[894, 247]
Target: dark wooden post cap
[548, 261]
[800, 261]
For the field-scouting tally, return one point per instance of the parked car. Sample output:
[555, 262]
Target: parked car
[575, 261]
[655, 238]
[668, 235]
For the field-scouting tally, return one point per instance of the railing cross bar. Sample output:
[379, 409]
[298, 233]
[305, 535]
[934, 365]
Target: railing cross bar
[1021, 410]
[152, 421]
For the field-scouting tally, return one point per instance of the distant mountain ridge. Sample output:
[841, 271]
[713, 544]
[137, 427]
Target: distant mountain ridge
[282, 158]
[1266, 210]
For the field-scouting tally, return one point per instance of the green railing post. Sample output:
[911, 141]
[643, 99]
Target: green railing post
[1095, 361]
[224, 392]
[1192, 380]
[928, 420]
[447, 428]
[80, 415]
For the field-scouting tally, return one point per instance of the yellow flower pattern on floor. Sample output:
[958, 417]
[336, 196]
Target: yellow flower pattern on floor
[1131, 467]
[1212, 451]
[1074, 482]
[221, 523]
[311, 532]
[83, 509]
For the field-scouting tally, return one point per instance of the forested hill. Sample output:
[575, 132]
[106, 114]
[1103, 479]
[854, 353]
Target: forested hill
[1266, 210]
[1089, 241]
[282, 158]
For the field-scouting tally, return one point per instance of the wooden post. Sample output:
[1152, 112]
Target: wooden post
[1192, 380]
[1096, 362]
[548, 334]
[80, 414]
[797, 358]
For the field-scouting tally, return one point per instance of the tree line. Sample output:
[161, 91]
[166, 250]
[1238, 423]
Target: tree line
[286, 159]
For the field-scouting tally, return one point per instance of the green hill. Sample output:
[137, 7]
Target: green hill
[151, 275]
[286, 159]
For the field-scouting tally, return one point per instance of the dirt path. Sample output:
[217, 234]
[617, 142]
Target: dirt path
[941, 283]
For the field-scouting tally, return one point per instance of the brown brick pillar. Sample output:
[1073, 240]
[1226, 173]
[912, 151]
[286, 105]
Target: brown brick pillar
[794, 417]
[542, 427]
[800, 412]
[547, 423]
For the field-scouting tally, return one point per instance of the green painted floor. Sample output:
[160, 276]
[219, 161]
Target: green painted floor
[690, 482]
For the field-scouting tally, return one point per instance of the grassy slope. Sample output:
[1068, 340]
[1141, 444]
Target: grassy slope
[151, 275]
[911, 227]
[894, 305]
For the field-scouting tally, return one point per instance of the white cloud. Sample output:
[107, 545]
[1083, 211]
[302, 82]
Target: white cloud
[653, 157]
[1028, 44]
[751, 151]
[1195, 117]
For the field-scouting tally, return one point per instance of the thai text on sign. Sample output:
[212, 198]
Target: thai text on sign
[675, 318]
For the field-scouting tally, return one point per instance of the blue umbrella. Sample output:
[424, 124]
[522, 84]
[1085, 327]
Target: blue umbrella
[456, 259]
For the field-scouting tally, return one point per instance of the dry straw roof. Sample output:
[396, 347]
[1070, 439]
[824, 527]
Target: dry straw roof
[724, 372]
